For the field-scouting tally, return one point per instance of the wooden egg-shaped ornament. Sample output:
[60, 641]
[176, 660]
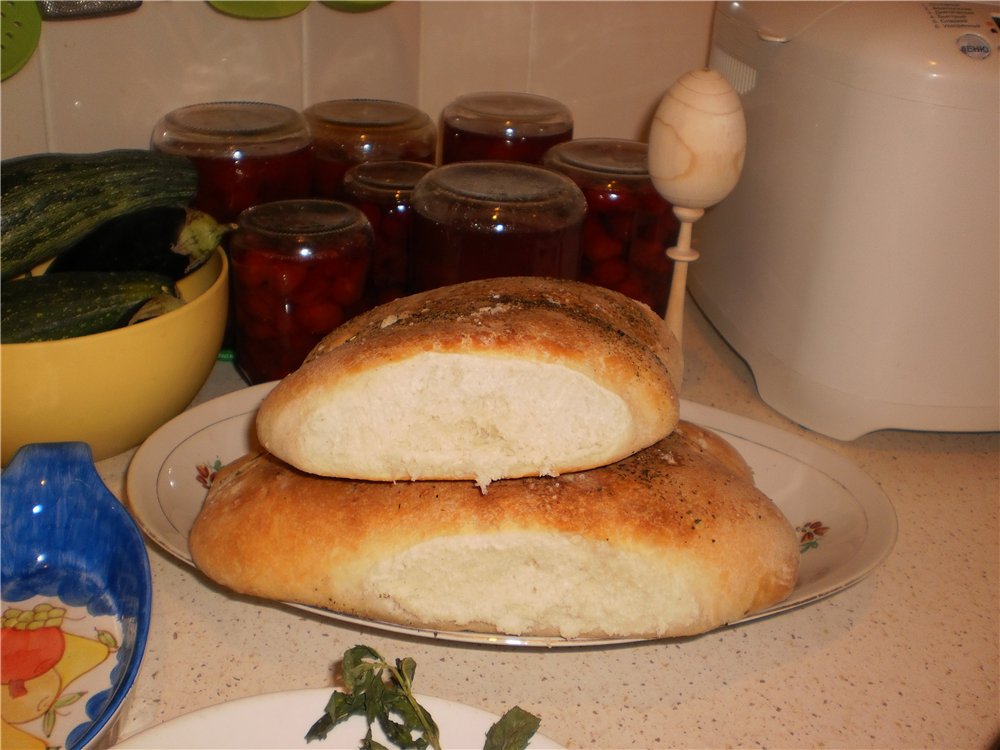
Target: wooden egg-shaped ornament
[697, 141]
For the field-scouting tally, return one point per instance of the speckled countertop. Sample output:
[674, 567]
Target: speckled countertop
[907, 658]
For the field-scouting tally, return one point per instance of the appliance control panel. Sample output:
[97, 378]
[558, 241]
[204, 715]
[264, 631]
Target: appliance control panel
[976, 37]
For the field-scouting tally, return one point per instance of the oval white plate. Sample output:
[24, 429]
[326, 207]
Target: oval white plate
[847, 524]
[276, 720]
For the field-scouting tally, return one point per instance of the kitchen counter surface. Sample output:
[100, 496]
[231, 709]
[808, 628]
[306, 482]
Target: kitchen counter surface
[907, 658]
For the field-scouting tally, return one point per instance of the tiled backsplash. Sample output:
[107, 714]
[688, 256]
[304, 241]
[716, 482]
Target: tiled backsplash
[102, 82]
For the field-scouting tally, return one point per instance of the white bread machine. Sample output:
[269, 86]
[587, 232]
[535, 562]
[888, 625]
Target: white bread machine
[856, 265]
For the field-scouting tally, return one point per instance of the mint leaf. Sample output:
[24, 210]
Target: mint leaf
[389, 702]
[320, 728]
[358, 667]
[513, 731]
[339, 708]
[383, 694]
[370, 744]
[407, 669]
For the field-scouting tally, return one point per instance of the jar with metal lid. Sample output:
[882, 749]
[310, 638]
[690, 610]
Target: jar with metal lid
[299, 269]
[485, 219]
[382, 190]
[245, 153]
[503, 125]
[628, 226]
[346, 132]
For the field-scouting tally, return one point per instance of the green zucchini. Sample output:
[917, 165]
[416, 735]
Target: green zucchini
[64, 305]
[170, 240]
[51, 201]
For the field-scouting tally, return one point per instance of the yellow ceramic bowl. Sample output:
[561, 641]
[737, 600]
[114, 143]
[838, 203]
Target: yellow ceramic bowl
[113, 389]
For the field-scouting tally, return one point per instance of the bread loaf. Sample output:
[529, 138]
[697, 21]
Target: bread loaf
[674, 540]
[484, 380]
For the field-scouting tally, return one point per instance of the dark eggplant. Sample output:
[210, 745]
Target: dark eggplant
[168, 240]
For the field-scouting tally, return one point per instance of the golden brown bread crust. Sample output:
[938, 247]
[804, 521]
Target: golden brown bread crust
[711, 444]
[552, 325]
[688, 540]
[549, 312]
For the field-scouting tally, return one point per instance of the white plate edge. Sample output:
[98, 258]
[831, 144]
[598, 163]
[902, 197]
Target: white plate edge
[437, 707]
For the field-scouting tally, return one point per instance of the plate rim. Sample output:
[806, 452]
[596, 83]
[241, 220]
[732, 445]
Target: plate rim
[877, 508]
[436, 706]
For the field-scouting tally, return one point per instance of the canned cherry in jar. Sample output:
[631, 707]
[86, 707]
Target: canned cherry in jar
[246, 153]
[382, 190]
[346, 132]
[486, 219]
[628, 226]
[503, 125]
[299, 270]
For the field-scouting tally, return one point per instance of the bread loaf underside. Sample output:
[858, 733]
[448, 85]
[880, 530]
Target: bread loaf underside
[483, 380]
[674, 540]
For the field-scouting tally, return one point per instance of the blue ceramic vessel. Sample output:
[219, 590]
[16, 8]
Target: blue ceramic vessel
[65, 535]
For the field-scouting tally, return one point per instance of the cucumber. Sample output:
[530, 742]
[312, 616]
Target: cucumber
[51, 201]
[64, 305]
[169, 240]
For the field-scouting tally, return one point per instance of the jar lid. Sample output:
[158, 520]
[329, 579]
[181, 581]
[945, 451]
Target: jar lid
[386, 176]
[302, 218]
[607, 156]
[508, 112]
[490, 189]
[221, 128]
[366, 114]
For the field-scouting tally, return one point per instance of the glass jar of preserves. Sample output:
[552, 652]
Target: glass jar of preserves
[346, 132]
[628, 226]
[245, 153]
[382, 190]
[503, 125]
[485, 219]
[299, 270]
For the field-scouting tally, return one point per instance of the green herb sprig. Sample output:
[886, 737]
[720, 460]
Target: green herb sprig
[383, 693]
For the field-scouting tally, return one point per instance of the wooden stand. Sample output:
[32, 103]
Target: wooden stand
[681, 255]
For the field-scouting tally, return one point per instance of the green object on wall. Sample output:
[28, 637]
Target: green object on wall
[355, 6]
[259, 8]
[20, 28]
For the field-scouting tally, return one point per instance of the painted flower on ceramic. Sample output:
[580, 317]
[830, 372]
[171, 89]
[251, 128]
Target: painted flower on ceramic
[810, 535]
[206, 472]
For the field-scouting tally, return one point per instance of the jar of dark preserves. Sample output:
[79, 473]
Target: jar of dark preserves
[503, 125]
[245, 153]
[382, 190]
[629, 225]
[299, 269]
[346, 132]
[485, 219]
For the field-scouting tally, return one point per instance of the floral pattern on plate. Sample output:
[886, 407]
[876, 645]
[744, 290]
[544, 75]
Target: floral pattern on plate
[205, 472]
[810, 535]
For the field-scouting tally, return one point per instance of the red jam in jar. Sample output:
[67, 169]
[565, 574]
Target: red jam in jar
[382, 190]
[246, 153]
[628, 226]
[500, 125]
[486, 219]
[346, 132]
[299, 270]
